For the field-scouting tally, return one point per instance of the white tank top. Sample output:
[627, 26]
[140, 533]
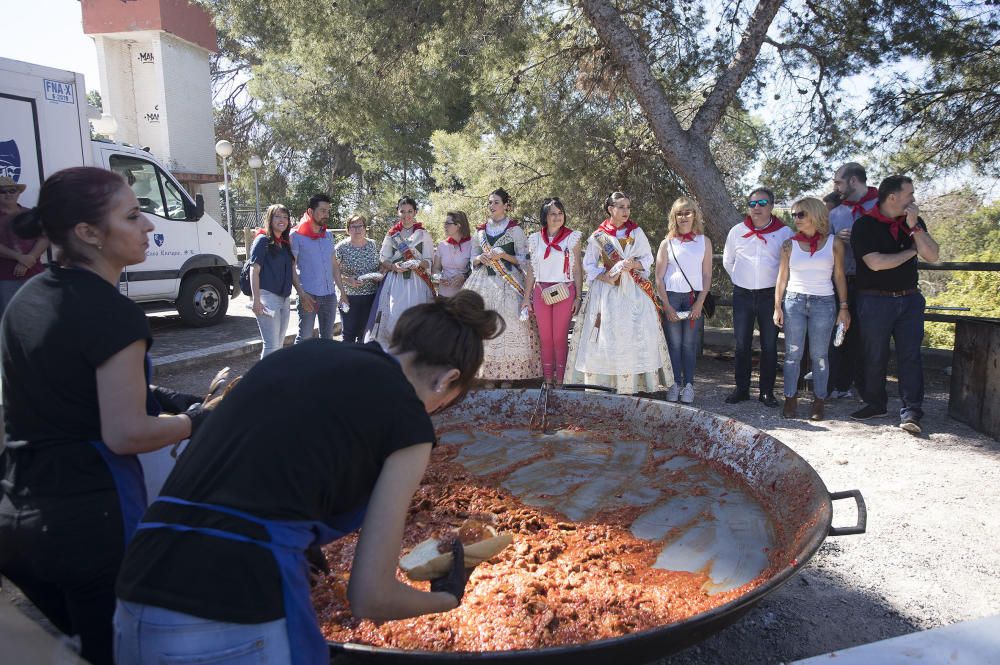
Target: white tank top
[690, 256]
[811, 275]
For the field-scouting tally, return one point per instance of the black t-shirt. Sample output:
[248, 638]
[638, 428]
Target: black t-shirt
[870, 235]
[302, 437]
[58, 329]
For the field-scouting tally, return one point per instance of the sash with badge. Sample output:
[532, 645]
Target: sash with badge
[405, 254]
[496, 264]
[610, 257]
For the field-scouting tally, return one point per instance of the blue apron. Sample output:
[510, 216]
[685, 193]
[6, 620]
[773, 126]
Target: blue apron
[126, 471]
[288, 543]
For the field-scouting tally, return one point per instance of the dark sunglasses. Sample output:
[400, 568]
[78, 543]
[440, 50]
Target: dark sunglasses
[9, 190]
[758, 202]
[800, 214]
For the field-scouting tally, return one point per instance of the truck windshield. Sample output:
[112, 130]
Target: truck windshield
[157, 194]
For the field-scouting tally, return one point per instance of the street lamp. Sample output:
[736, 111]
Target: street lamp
[224, 149]
[255, 164]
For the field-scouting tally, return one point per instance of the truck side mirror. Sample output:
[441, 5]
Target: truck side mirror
[197, 211]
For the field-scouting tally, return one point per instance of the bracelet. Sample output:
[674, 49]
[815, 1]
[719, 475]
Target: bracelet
[843, 305]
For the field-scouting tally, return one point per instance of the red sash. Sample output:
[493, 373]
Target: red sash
[407, 254]
[497, 264]
[610, 256]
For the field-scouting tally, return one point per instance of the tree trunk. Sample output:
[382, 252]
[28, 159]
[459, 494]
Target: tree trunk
[685, 151]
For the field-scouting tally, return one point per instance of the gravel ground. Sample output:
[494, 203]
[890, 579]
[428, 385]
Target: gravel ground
[930, 556]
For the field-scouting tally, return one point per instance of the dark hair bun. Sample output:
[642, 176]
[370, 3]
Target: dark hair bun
[469, 308]
[28, 224]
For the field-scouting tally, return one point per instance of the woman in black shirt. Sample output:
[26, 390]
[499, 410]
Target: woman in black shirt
[218, 565]
[77, 407]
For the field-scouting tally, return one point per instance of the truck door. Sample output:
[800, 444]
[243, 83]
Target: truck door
[173, 241]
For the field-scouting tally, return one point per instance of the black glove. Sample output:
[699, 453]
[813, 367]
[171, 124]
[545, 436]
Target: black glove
[454, 582]
[198, 415]
[171, 401]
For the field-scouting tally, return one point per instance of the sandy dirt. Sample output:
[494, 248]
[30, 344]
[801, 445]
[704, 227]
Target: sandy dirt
[930, 556]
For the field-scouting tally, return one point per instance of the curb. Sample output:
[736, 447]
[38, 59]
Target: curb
[238, 349]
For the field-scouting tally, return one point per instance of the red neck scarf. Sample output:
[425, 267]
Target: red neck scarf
[510, 224]
[775, 225]
[398, 227]
[685, 237]
[307, 225]
[458, 243]
[554, 244]
[813, 241]
[608, 227]
[857, 207]
[279, 240]
[896, 224]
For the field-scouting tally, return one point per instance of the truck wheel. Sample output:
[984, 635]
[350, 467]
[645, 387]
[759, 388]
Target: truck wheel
[203, 300]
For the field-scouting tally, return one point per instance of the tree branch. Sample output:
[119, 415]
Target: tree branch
[728, 84]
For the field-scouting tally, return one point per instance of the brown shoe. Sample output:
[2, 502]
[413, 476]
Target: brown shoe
[817, 411]
[790, 404]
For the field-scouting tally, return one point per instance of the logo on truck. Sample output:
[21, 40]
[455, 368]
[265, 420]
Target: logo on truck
[10, 160]
[158, 239]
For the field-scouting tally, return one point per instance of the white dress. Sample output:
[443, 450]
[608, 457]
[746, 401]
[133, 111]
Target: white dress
[515, 354]
[617, 340]
[400, 290]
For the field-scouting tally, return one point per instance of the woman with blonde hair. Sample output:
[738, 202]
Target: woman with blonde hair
[357, 256]
[272, 276]
[812, 262]
[683, 280]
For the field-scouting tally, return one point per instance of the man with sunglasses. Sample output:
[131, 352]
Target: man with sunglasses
[19, 257]
[751, 257]
[887, 241]
[851, 182]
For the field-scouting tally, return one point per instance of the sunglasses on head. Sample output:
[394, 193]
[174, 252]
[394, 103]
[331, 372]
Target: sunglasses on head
[758, 202]
[800, 214]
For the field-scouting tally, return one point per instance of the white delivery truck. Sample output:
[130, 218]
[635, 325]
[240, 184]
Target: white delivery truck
[44, 127]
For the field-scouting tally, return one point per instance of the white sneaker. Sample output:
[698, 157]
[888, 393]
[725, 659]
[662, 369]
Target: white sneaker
[673, 393]
[687, 395]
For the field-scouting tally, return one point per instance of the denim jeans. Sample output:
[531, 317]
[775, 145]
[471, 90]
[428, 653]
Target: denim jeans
[149, 635]
[845, 360]
[356, 317]
[683, 339]
[902, 319]
[273, 328]
[751, 305]
[326, 309]
[814, 315]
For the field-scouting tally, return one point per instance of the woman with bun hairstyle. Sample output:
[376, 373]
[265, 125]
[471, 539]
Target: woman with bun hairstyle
[617, 340]
[406, 255]
[78, 407]
[239, 508]
[499, 255]
[554, 274]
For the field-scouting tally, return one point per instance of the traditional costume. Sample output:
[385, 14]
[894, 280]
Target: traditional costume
[617, 341]
[401, 290]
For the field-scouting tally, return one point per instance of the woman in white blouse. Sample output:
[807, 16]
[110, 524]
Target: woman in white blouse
[683, 280]
[554, 286]
[618, 341]
[499, 254]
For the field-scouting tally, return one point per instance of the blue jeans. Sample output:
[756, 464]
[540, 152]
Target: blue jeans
[814, 315]
[273, 328]
[326, 309]
[683, 339]
[751, 305]
[149, 635]
[356, 317]
[902, 319]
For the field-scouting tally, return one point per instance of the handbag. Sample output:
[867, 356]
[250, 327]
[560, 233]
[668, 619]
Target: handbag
[707, 307]
[555, 293]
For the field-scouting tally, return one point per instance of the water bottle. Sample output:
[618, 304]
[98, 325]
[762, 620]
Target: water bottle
[838, 337]
[266, 311]
[345, 307]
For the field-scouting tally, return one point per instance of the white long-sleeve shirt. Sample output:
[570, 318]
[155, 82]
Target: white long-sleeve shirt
[638, 249]
[751, 262]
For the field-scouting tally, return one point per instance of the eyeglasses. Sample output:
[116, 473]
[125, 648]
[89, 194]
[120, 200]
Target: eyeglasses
[758, 202]
[450, 223]
[356, 227]
[800, 214]
[9, 190]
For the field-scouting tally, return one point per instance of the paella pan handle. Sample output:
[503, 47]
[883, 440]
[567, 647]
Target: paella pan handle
[862, 513]
[586, 386]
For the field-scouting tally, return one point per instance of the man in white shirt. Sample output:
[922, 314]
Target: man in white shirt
[857, 199]
[751, 257]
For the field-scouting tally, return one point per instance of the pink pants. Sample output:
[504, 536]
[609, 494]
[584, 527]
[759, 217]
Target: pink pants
[553, 330]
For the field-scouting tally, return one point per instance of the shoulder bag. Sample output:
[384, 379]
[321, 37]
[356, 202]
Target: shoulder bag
[707, 307]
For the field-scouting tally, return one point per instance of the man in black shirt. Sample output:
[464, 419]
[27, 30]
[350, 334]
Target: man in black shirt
[886, 242]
